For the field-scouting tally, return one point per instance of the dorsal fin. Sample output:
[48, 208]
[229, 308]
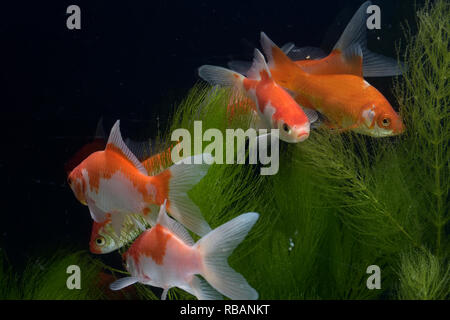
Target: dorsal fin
[284, 71]
[259, 65]
[116, 144]
[275, 56]
[172, 225]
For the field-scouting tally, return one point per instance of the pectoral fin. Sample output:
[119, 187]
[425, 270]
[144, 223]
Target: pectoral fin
[96, 214]
[123, 282]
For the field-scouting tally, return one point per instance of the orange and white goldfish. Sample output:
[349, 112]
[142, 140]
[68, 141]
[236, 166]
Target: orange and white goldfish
[165, 256]
[275, 107]
[342, 59]
[347, 101]
[113, 184]
[103, 238]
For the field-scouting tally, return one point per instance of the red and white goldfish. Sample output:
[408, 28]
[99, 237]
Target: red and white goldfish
[275, 107]
[103, 238]
[347, 101]
[165, 256]
[113, 184]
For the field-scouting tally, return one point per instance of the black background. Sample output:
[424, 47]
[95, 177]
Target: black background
[131, 60]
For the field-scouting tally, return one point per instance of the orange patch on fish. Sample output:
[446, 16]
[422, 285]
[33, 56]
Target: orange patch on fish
[151, 243]
[161, 183]
[334, 63]
[146, 211]
[112, 161]
[114, 148]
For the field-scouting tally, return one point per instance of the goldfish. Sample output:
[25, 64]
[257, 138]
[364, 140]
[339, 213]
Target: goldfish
[113, 184]
[165, 256]
[347, 101]
[342, 59]
[103, 238]
[274, 106]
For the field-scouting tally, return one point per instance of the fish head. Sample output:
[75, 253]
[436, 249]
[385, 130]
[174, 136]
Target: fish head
[105, 240]
[102, 238]
[78, 184]
[381, 120]
[294, 132]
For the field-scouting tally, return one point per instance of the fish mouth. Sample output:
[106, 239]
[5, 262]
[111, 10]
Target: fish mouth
[94, 249]
[302, 136]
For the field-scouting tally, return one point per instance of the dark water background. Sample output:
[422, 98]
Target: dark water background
[131, 61]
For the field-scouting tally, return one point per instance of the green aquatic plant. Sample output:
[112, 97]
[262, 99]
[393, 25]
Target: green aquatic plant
[339, 203]
[424, 96]
[8, 279]
[423, 277]
[45, 278]
[343, 202]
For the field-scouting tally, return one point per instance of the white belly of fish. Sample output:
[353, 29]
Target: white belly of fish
[117, 194]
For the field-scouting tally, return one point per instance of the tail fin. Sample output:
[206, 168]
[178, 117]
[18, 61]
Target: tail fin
[203, 291]
[220, 76]
[184, 177]
[374, 65]
[216, 247]
[283, 69]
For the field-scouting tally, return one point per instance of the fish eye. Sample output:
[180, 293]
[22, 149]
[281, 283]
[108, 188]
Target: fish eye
[100, 241]
[386, 122]
[286, 128]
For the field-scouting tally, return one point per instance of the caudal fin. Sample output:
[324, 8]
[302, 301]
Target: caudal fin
[185, 174]
[216, 247]
[221, 76]
[354, 35]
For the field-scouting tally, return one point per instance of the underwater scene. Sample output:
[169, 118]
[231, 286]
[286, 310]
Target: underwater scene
[238, 151]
